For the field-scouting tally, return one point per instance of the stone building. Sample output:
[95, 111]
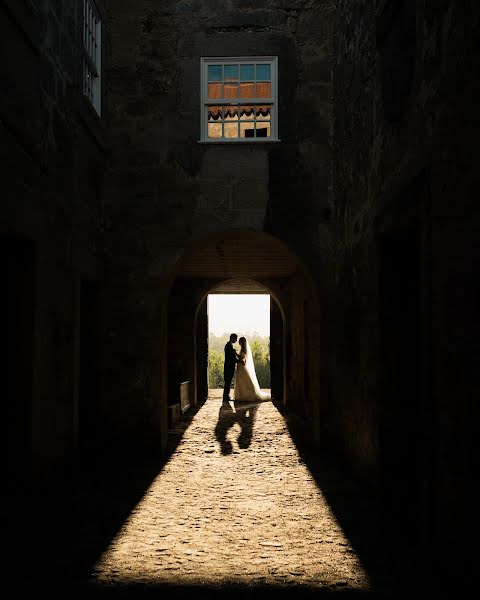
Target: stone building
[322, 152]
[54, 153]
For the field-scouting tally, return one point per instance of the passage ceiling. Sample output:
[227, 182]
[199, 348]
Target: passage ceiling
[241, 255]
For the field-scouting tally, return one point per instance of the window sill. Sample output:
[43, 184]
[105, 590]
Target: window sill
[253, 142]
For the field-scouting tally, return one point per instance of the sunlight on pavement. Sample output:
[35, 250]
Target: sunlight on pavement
[234, 504]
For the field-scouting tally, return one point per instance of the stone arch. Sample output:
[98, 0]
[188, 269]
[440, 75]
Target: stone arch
[235, 257]
[277, 323]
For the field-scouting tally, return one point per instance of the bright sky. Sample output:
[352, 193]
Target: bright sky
[239, 313]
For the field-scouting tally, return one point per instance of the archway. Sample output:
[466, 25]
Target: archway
[242, 262]
[278, 336]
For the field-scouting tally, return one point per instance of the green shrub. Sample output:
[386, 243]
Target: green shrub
[215, 369]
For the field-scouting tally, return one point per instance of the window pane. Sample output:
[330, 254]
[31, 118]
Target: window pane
[247, 72]
[264, 73]
[214, 90]
[231, 130]
[230, 113]
[262, 111]
[215, 73]
[263, 130]
[215, 130]
[230, 73]
[264, 90]
[247, 113]
[247, 90]
[230, 90]
[214, 113]
[247, 129]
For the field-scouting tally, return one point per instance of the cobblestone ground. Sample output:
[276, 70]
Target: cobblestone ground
[243, 504]
[235, 503]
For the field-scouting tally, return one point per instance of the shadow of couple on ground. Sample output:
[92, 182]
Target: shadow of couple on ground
[243, 413]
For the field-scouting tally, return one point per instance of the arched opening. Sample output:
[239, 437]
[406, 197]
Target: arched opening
[245, 262]
[244, 314]
[277, 334]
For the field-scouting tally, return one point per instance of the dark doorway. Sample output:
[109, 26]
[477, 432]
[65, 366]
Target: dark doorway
[18, 308]
[90, 356]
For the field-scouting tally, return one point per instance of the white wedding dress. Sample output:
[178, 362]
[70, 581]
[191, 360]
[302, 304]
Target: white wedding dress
[247, 387]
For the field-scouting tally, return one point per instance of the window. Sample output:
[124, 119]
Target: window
[239, 99]
[92, 46]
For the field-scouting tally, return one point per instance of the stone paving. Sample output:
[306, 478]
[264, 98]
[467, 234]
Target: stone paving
[234, 504]
[243, 504]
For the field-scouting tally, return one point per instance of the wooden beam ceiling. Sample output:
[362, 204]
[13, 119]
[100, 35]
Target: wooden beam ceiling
[240, 258]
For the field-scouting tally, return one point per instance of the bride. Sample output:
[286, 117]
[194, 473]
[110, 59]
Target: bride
[246, 382]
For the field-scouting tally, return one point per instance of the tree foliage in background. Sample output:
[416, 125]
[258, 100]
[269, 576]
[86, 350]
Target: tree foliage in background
[215, 369]
[217, 342]
[261, 357]
[261, 360]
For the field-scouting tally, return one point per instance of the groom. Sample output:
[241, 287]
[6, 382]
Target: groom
[231, 359]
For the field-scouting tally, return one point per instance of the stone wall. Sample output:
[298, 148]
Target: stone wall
[52, 162]
[167, 192]
[406, 178]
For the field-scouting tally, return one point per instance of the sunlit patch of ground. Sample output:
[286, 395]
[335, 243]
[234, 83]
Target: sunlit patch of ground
[234, 504]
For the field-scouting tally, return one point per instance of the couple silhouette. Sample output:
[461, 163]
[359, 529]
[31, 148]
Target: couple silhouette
[241, 366]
